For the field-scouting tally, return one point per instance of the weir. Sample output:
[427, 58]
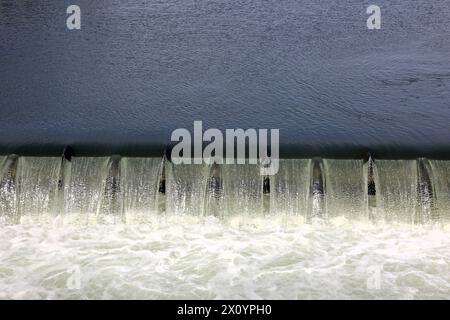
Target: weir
[111, 190]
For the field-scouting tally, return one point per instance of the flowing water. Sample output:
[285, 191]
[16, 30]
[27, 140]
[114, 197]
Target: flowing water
[207, 259]
[116, 227]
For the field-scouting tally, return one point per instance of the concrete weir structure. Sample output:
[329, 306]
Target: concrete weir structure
[119, 189]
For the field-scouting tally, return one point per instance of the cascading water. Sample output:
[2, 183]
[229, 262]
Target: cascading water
[186, 189]
[346, 189]
[8, 191]
[147, 228]
[37, 181]
[425, 211]
[2, 160]
[142, 194]
[289, 188]
[112, 190]
[84, 188]
[441, 182]
[215, 194]
[243, 190]
[396, 183]
[317, 206]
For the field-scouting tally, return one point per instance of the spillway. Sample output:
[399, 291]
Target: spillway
[134, 227]
[115, 190]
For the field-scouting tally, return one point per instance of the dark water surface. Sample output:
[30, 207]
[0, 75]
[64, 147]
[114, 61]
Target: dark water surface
[139, 69]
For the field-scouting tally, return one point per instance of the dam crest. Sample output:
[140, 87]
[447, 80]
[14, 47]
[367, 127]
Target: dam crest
[111, 190]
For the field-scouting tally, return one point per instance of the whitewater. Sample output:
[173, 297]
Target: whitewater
[186, 258]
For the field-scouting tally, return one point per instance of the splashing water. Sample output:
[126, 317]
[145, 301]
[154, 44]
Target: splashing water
[187, 259]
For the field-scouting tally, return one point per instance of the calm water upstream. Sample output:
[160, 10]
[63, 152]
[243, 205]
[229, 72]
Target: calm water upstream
[139, 69]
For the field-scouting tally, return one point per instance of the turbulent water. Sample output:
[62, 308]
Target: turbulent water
[210, 259]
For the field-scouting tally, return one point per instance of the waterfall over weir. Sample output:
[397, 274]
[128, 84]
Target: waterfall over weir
[110, 190]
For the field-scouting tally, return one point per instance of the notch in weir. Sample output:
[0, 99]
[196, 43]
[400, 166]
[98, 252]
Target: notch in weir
[266, 194]
[67, 153]
[111, 204]
[215, 186]
[266, 185]
[66, 158]
[265, 163]
[425, 192]
[162, 176]
[112, 186]
[371, 187]
[317, 179]
[317, 190]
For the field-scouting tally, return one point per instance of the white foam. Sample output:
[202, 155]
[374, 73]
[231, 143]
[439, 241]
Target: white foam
[205, 258]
